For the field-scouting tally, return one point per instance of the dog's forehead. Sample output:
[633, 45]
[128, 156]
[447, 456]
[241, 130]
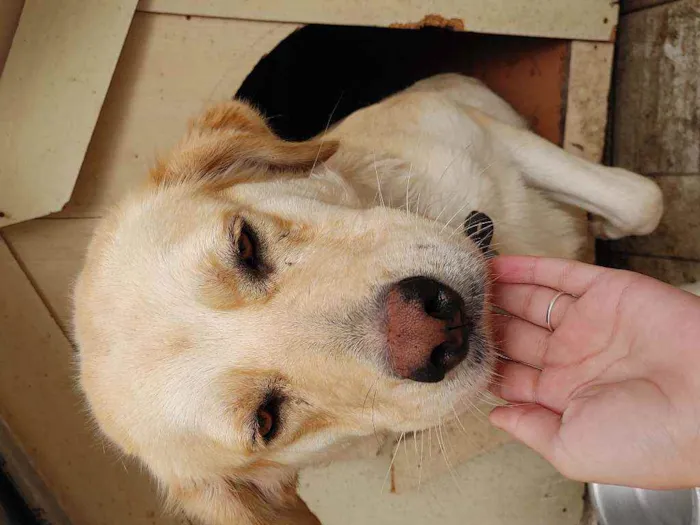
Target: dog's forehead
[164, 217]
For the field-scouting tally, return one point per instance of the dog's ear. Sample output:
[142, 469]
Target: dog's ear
[224, 502]
[231, 143]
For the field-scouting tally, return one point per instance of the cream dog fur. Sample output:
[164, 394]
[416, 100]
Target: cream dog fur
[234, 316]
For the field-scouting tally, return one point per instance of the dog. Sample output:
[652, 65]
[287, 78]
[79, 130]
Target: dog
[233, 316]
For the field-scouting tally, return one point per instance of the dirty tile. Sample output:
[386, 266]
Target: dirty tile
[672, 271]
[678, 235]
[51, 253]
[511, 485]
[468, 436]
[627, 6]
[656, 126]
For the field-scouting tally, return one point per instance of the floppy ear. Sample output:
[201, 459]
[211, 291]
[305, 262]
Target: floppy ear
[228, 502]
[231, 143]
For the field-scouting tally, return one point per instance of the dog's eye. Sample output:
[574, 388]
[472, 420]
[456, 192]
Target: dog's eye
[247, 247]
[266, 423]
[267, 418]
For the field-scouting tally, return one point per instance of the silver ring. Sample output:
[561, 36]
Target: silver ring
[550, 309]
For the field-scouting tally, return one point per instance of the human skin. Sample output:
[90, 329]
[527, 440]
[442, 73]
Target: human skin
[612, 394]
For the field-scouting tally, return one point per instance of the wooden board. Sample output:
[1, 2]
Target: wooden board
[170, 69]
[656, 126]
[10, 11]
[530, 74]
[39, 402]
[590, 68]
[572, 19]
[53, 85]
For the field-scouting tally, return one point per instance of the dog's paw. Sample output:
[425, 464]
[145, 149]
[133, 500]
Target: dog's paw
[638, 210]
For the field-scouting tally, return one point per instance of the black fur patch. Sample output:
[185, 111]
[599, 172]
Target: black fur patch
[479, 228]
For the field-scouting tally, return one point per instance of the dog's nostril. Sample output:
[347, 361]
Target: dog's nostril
[449, 354]
[439, 306]
[438, 300]
[428, 374]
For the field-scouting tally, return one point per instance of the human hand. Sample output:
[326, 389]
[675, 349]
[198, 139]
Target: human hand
[615, 397]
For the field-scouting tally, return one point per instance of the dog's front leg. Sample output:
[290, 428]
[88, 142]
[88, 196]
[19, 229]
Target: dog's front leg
[623, 202]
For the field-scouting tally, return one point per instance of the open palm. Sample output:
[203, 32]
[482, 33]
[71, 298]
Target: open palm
[612, 394]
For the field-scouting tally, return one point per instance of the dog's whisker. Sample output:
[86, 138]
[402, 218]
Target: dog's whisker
[430, 443]
[459, 153]
[393, 458]
[460, 210]
[478, 410]
[443, 450]
[408, 184]
[325, 131]
[420, 462]
[459, 421]
[374, 426]
[379, 184]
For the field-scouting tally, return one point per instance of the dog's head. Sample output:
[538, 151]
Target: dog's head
[244, 315]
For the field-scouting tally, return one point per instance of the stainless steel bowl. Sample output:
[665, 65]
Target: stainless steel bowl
[628, 506]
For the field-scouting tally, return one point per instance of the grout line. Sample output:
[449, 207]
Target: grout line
[566, 66]
[659, 3]
[32, 281]
[191, 15]
[671, 174]
[654, 256]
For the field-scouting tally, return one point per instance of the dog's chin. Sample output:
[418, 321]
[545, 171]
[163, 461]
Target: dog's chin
[461, 390]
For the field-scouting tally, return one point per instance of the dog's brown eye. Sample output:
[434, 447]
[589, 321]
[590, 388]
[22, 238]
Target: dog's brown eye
[266, 423]
[267, 417]
[247, 247]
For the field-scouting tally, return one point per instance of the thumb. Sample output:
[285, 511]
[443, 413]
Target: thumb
[534, 425]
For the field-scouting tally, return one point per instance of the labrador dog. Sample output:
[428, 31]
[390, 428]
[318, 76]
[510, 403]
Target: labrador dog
[233, 316]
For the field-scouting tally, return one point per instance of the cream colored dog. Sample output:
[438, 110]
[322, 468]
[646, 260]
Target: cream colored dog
[237, 317]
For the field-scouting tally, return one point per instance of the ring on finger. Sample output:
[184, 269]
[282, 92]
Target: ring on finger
[550, 309]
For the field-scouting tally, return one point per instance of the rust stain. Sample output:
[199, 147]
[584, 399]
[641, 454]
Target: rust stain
[613, 34]
[432, 20]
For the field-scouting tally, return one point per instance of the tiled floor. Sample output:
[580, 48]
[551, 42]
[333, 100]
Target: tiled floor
[656, 132]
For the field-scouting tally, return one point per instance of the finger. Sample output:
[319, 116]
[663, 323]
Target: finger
[517, 383]
[531, 302]
[559, 274]
[533, 425]
[521, 340]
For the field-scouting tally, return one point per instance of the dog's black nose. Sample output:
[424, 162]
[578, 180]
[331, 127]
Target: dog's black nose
[427, 329]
